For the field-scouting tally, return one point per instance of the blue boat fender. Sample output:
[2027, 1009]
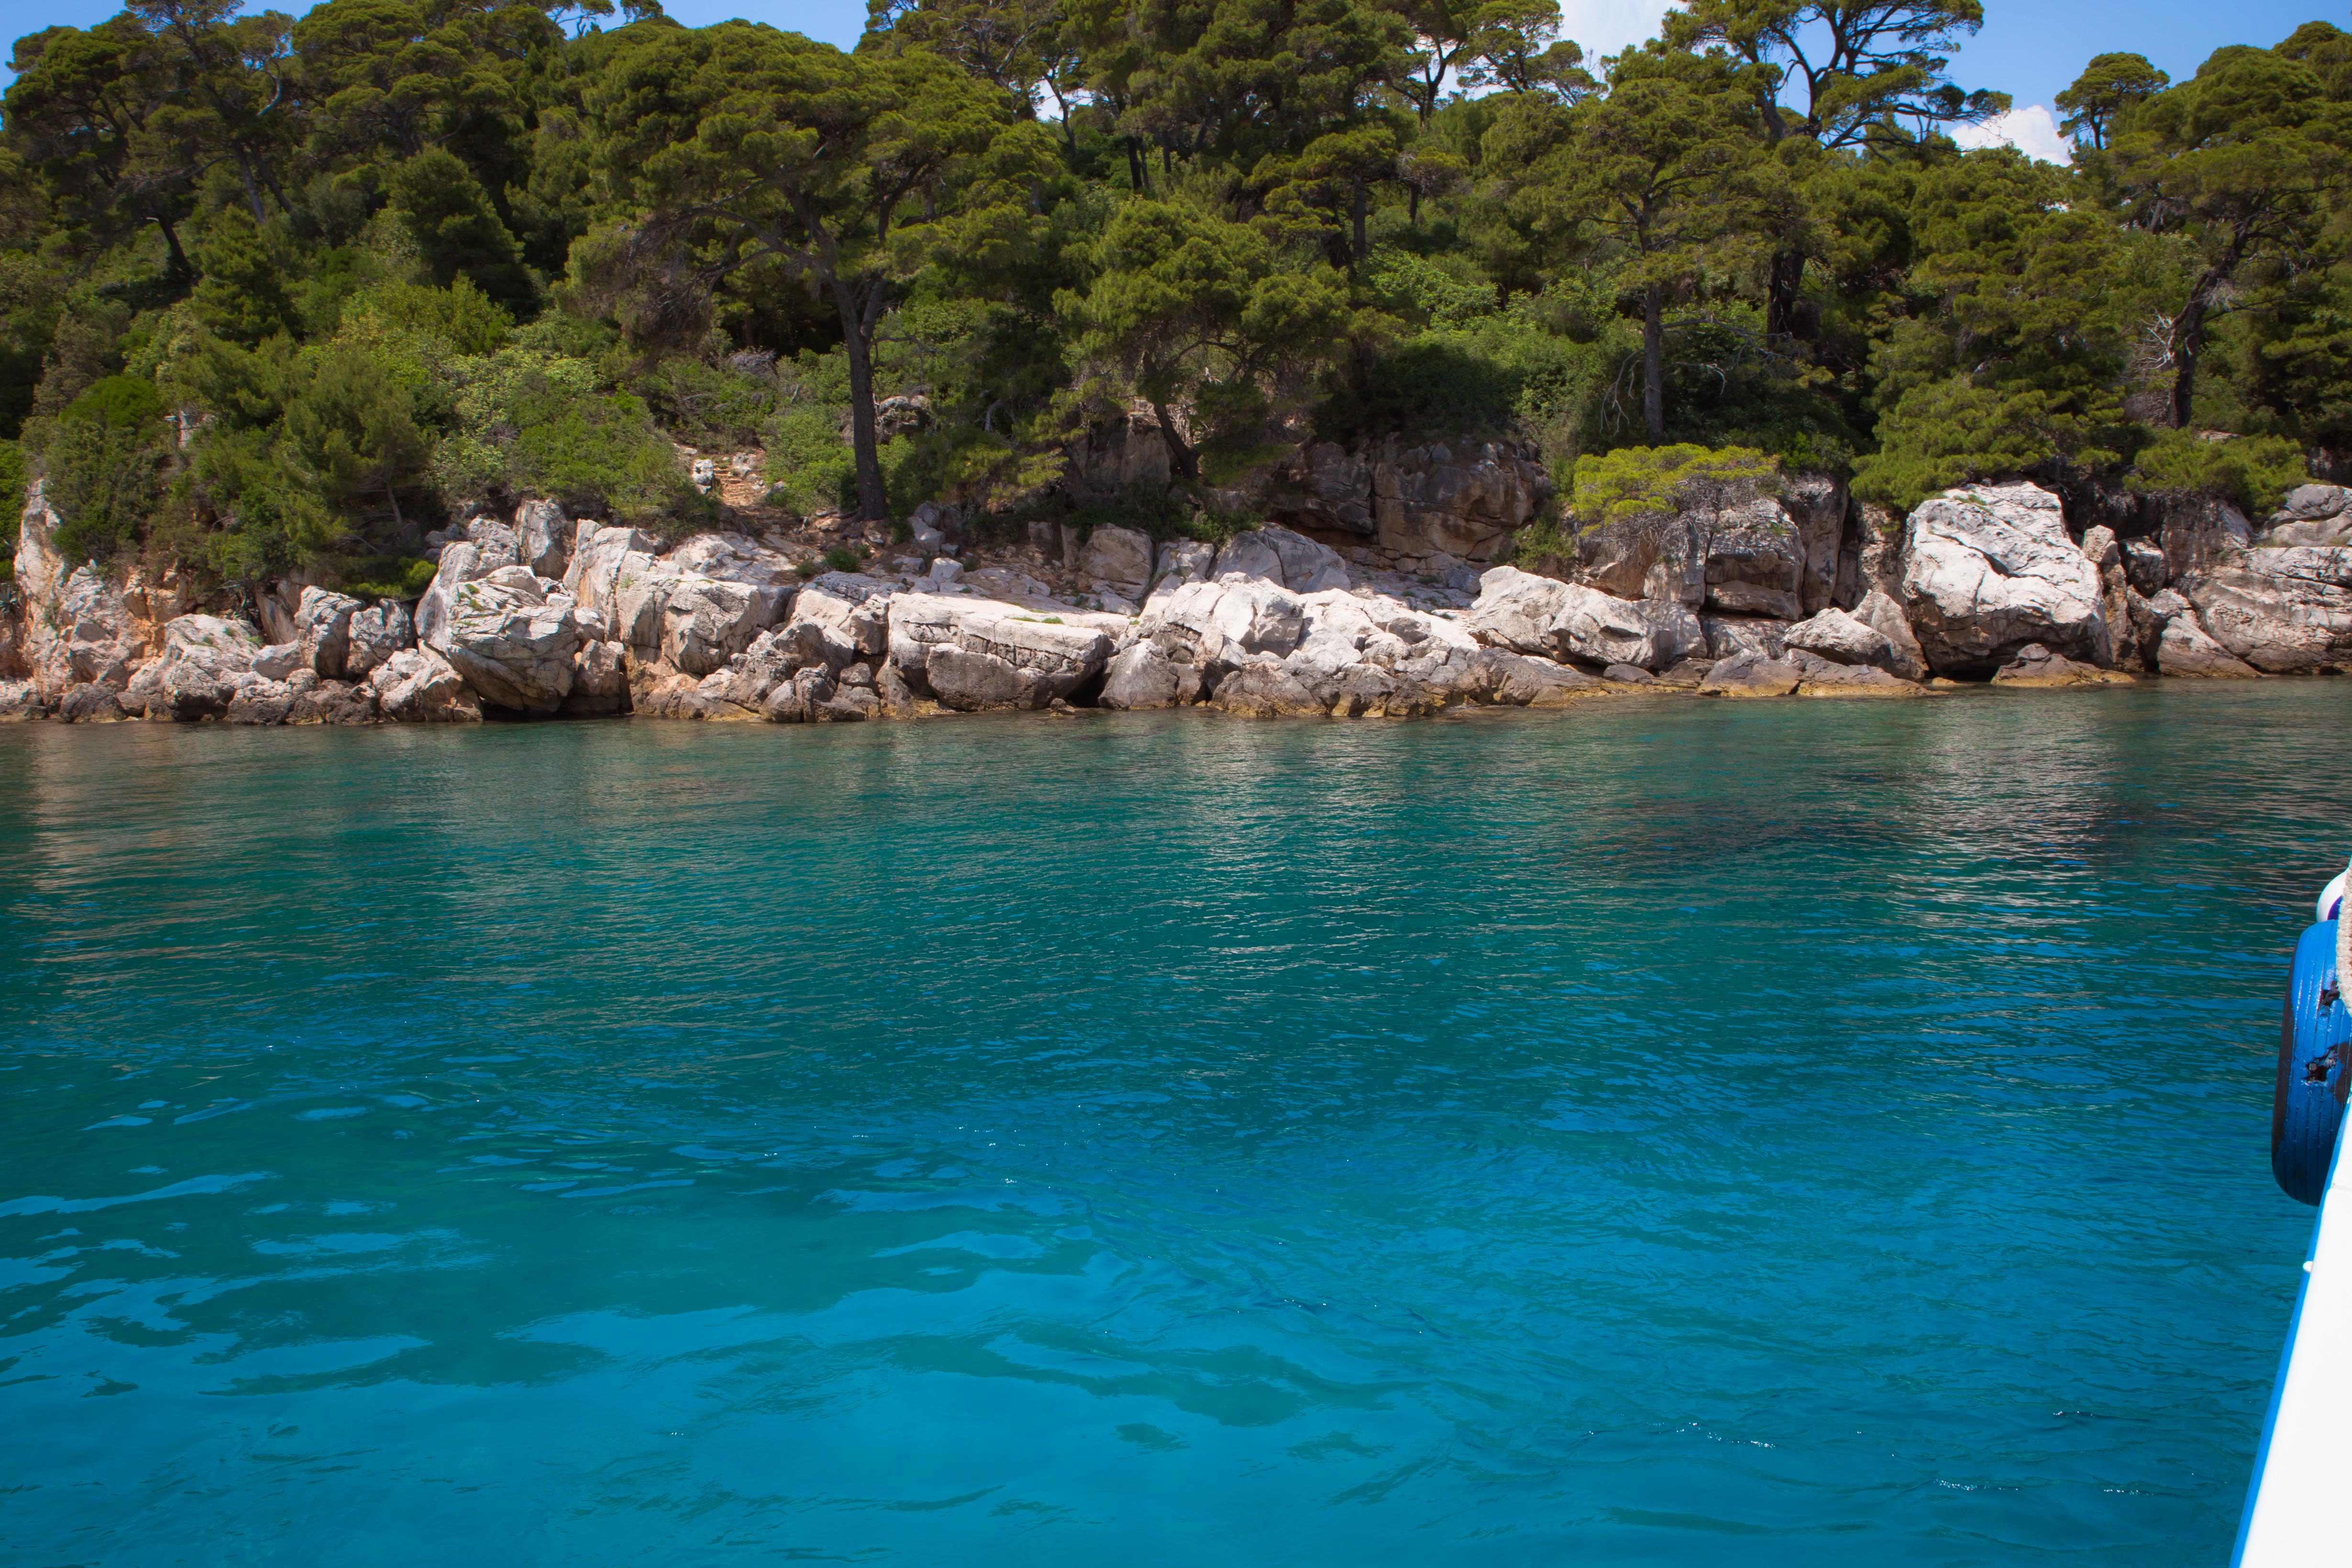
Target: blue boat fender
[2315, 1067]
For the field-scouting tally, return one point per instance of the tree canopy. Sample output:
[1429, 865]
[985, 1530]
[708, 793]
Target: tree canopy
[288, 291]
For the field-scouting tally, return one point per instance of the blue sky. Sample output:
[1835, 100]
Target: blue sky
[2030, 51]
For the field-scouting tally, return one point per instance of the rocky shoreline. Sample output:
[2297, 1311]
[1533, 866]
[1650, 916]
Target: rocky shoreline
[539, 615]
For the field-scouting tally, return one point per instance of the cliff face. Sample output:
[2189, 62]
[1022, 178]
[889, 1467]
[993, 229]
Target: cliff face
[542, 614]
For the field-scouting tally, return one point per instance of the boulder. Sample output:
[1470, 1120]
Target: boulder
[1183, 560]
[1818, 509]
[1416, 502]
[1261, 687]
[2198, 533]
[2284, 611]
[707, 621]
[1279, 557]
[600, 680]
[1751, 674]
[373, 635]
[1729, 635]
[1840, 639]
[89, 635]
[543, 538]
[514, 637]
[417, 686]
[1881, 614]
[1524, 680]
[89, 702]
[345, 702]
[1224, 622]
[2144, 567]
[600, 564]
[265, 703]
[2183, 649]
[21, 699]
[206, 663]
[801, 700]
[973, 654]
[322, 622]
[2036, 666]
[1144, 676]
[1756, 563]
[1820, 677]
[1117, 454]
[1117, 561]
[847, 614]
[2104, 552]
[279, 660]
[2312, 502]
[1990, 570]
[1542, 615]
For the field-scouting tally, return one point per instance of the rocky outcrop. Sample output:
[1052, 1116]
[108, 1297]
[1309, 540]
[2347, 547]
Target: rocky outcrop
[1417, 504]
[2105, 552]
[1145, 675]
[1278, 555]
[1820, 677]
[2284, 611]
[514, 637]
[1768, 556]
[973, 654]
[417, 686]
[2182, 649]
[323, 625]
[2038, 666]
[1117, 561]
[373, 635]
[1751, 674]
[1990, 570]
[1881, 614]
[206, 663]
[845, 614]
[1840, 639]
[1526, 613]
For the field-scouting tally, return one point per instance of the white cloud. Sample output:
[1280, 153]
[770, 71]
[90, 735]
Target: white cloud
[2032, 130]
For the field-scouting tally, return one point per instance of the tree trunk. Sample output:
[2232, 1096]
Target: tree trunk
[1783, 288]
[1359, 251]
[1139, 177]
[181, 271]
[857, 341]
[2187, 343]
[1185, 461]
[1654, 363]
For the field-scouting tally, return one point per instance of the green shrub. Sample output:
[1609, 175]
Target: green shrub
[105, 462]
[12, 492]
[810, 462]
[1952, 432]
[2252, 472]
[404, 577]
[842, 558]
[707, 405]
[529, 424]
[1635, 482]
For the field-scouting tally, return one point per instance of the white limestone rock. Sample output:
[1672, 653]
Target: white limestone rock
[972, 653]
[514, 637]
[1991, 570]
[1526, 613]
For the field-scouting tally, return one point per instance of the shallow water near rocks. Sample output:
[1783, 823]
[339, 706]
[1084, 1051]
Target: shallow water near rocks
[1658, 1133]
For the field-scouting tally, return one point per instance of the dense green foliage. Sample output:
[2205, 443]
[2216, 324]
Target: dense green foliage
[279, 291]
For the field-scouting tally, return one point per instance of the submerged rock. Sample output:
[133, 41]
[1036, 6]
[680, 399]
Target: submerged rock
[2038, 666]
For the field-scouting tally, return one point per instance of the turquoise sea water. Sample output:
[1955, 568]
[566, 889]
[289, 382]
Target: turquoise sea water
[1772, 1133]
